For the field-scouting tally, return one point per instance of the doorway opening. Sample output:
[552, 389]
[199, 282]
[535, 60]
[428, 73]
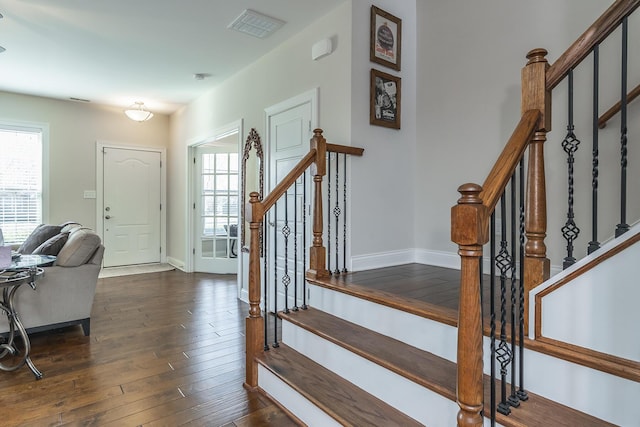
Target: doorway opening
[214, 182]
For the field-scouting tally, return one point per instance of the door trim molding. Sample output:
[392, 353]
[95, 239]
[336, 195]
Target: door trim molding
[100, 145]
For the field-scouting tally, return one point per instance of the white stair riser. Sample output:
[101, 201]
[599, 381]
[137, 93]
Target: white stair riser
[580, 387]
[295, 403]
[419, 332]
[418, 402]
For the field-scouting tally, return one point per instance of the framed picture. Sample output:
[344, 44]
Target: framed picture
[385, 100]
[386, 35]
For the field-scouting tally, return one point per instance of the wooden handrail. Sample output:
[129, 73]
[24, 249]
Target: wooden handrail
[345, 149]
[288, 181]
[602, 121]
[506, 164]
[594, 35]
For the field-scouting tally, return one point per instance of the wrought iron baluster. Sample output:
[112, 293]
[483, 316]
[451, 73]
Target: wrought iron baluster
[623, 227]
[503, 353]
[513, 398]
[304, 239]
[286, 231]
[265, 278]
[570, 145]
[594, 244]
[336, 213]
[522, 394]
[329, 213]
[344, 222]
[275, 276]
[295, 247]
[492, 314]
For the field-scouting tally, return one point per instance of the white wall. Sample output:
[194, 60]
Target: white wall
[383, 183]
[589, 310]
[461, 64]
[74, 129]
[283, 73]
[469, 59]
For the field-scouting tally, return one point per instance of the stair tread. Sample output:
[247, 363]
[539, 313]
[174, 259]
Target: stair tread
[438, 374]
[336, 396]
[430, 371]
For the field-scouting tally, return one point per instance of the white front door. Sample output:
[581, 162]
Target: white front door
[131, 206]
[290, 129]
[216, 208]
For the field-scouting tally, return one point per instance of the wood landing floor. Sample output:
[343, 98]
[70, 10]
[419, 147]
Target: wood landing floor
[167, 349]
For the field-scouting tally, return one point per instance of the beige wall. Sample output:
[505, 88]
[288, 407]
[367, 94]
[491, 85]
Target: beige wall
[74, 129]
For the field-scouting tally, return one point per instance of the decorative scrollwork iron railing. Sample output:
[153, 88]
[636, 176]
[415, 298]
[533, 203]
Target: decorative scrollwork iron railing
[571, 229]
[280, 225]
[507, 307]
[472, 225]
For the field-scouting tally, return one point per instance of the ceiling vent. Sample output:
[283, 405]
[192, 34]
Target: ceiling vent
[255, 24]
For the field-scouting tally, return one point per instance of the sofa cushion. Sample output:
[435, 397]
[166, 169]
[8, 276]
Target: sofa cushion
[81, 245]
[68, 226]
[52, 246]
[41, 234]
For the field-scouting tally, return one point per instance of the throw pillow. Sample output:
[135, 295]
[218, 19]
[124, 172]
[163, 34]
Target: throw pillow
[52, 246]
[69, 225]
[79, 249]
[41, 234]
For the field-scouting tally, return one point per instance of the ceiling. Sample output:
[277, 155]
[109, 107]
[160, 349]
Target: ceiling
[117, 52]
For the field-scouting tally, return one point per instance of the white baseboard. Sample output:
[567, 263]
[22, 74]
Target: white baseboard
[176, 263]
[405, 256]
[420, 256]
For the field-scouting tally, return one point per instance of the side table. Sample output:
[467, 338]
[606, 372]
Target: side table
[25, 269]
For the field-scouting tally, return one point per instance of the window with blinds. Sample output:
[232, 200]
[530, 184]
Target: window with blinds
[21, 183]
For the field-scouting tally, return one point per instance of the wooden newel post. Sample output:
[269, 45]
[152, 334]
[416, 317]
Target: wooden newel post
[536, 96]
[317, 252]
[469, 229]
[254, 322]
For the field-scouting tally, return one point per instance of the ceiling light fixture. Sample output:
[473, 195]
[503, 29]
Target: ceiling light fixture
[138, 112]
[255, 24]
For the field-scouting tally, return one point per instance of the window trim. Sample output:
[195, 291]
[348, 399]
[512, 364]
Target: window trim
[43, 128]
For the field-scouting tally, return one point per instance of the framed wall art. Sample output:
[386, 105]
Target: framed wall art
[386, 35]
[385, 100]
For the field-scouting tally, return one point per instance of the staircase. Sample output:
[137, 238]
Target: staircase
[357, 357]
[348, 354]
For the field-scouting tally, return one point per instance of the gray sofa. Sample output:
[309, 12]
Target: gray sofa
[64, 295]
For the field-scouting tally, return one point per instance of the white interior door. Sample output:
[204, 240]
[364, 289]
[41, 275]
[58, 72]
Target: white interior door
[217, 208]
[131, 206]
[290, 130]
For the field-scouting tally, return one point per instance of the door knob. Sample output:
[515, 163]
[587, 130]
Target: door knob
[107, 217]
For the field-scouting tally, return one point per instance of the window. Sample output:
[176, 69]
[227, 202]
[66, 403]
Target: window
[219, 192]
[22, 183]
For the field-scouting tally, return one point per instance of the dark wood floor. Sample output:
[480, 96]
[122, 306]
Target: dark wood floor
[168, 349]
[165, 349]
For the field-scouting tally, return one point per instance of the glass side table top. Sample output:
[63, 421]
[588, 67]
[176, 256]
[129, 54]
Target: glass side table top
[23, 268]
